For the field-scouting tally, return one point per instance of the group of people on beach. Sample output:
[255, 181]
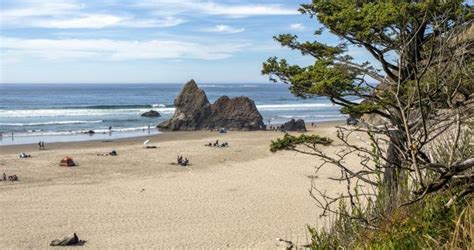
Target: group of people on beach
[41, 145]
[10, 177]
[182, 162]
[274, 128]
[216, 144]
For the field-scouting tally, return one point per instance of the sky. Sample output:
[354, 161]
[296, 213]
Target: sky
[148, 41]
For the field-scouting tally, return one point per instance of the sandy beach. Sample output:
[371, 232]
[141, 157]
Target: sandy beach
[242, 196]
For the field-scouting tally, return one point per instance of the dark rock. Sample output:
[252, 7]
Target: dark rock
[237, 113]
[373, 120]
[351, 121]
[293, 125]
[151, 113]
[69, 240]
[194, 112]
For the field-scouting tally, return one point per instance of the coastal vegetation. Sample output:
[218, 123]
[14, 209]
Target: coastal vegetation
[412, 185]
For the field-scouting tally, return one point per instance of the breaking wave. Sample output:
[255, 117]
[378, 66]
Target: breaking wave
[104, 110]
[49, 123]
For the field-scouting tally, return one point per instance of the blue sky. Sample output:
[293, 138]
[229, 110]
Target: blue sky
[147, 41]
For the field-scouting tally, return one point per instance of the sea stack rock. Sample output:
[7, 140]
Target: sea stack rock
[194, 112]
[293, 125]
[151, 113]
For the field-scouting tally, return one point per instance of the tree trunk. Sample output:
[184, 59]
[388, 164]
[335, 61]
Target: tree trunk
[392, 173]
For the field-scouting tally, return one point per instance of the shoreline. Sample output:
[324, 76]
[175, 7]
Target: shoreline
[160, 136]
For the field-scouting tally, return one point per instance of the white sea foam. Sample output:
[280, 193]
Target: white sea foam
[76, 132]
[134, 111]
[158, 105]
[75, 112]
[296, 106]
[49, 123]
[310, 116]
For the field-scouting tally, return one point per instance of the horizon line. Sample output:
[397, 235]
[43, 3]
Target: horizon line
[11, 83]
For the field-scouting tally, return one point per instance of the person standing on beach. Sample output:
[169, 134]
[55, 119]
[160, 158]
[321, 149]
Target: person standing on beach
[42, 145]
[39, 145]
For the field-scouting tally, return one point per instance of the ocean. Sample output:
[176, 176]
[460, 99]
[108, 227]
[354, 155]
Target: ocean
[63, 112]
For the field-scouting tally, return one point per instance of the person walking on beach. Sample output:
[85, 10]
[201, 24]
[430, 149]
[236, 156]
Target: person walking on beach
[39, 145]
[42, 145]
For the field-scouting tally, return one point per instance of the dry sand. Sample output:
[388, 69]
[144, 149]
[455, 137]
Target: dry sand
[242, 196]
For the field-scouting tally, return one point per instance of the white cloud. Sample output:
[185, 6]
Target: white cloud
[224, 29]
[297, 26]
[213, 8]
[93, 21]
[26, 9]
[15, 49]
[168, 21]
[244, 10]
[88, 21]
[71, 15]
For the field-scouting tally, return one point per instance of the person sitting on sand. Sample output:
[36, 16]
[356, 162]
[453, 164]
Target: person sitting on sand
[112, 153]
[216, 143]
[24, 155]
[179, 159]
[184, 162]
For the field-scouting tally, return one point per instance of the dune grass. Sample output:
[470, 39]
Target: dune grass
[427, 224]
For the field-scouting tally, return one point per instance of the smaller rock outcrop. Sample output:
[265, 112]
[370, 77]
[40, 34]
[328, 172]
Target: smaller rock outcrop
[294, 125]
[151, 113]
[236, 113]
[351, 121]
[373, 120]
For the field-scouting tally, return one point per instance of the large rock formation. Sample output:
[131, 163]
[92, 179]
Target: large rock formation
[194, 112]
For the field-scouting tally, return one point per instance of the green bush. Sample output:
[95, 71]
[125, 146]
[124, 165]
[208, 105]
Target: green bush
[426, 224]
